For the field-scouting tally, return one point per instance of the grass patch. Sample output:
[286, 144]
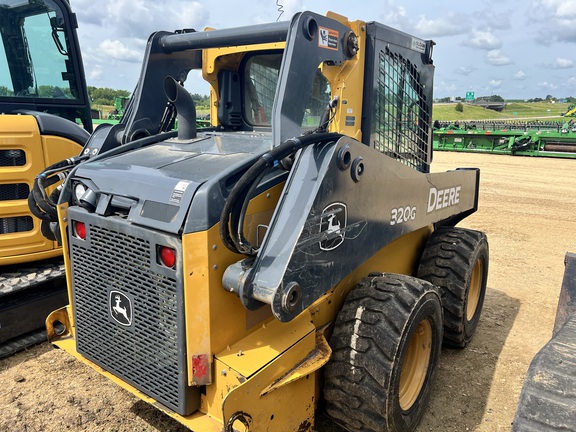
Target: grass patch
[532, 110]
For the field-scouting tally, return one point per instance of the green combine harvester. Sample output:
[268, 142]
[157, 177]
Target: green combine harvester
[534, 138]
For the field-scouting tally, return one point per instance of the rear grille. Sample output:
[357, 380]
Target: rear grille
[16, 224]
[150, 352]
[15, 191]
[12, 158]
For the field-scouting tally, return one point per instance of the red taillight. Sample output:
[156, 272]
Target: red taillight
[80, 230]
[167, 256]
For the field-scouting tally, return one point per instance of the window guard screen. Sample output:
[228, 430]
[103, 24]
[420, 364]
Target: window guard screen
[401, 117]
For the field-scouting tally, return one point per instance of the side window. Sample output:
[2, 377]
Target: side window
[401, 125]
[48, 55]
[34, 59]
[260, 80]
[6, 87]
[318, 101]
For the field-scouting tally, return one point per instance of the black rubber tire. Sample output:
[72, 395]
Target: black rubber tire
[450, 261]
[369, 344]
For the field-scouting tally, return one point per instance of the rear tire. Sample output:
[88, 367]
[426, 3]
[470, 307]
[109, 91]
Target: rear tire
[386, 345]
[456, 261]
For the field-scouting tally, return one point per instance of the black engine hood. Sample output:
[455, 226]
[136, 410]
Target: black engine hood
[162, 185]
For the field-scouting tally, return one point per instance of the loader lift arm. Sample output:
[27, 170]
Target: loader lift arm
[296, 264]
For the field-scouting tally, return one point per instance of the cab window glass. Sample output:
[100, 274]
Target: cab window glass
[6, 87]
[34, 60]
[260, 80]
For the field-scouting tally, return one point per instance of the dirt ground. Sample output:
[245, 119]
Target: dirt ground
[527, 208]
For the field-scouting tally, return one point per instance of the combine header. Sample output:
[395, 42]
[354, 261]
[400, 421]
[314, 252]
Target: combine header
[550, 139]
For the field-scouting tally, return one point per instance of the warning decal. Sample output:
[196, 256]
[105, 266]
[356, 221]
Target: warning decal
[178, 191]
[328, 38]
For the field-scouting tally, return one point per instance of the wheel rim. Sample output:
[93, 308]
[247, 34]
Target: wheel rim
[415, 365]
[475, 289]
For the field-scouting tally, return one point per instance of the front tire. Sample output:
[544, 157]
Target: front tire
[456, 261]
[386, 345]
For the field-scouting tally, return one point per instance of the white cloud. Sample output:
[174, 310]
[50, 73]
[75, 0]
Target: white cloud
[495, 83]
[500, 21]
[562, 63]
[95, 73]
[496, 58]
[547, 85]
[395, 16]
[111, 32]
[520, 75]
[466, 70]
[139, 18]
[558, 63]
[556, 19]
[118, 51]
[444, 88]
[449, 25]
[562, 8]
[483, 40]
[395, 13]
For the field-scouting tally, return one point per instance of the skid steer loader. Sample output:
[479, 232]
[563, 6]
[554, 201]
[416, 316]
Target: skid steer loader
[42, 93]
[296, 253]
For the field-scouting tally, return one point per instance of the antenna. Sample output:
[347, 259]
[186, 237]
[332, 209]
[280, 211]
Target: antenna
[280, 9]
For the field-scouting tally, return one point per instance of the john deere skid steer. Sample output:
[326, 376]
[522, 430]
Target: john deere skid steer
[295, 252]
[42, 94]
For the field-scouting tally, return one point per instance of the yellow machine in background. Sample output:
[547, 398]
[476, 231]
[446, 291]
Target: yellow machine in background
[42, 94]
[298, 250]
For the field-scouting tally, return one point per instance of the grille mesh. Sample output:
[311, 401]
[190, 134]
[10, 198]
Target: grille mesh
[15, 191]
[16, 224]
[147, 353]
[401, 117]
[12, 158]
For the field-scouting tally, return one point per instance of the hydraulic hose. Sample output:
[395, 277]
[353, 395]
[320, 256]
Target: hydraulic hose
[234, 210]
[42, 206]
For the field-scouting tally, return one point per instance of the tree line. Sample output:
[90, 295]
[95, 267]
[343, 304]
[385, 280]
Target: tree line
[106, 96]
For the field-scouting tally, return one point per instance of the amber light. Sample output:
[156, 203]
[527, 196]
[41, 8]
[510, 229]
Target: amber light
[167, 256]
[80, 230]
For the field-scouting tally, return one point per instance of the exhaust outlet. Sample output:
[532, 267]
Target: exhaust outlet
[185, 108]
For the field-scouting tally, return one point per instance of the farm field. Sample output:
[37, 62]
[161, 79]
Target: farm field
[514, 110]
[526, 209]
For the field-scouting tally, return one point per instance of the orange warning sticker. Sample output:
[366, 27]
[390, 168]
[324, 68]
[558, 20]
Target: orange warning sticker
[328, 38]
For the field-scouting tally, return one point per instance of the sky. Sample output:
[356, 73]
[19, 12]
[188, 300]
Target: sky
[518, 49]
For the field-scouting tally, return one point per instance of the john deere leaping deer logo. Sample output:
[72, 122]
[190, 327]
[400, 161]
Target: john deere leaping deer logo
[332, 226]
[120, 307]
